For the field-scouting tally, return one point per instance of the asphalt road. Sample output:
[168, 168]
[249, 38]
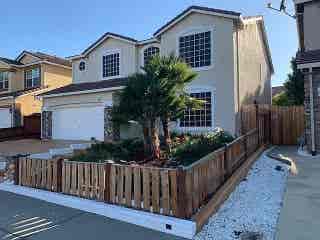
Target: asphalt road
[26, 218]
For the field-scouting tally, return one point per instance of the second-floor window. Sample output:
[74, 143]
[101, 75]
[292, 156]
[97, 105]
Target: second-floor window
[195, 49]
[32, 78]
[4, 80]
[149, 53]
[111, 65]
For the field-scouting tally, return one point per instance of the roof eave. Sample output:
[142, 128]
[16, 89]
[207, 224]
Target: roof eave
[170, 24]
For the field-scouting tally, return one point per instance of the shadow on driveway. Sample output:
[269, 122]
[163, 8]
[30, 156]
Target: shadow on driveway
[26, 218]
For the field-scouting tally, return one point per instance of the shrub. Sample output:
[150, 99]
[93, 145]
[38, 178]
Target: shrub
[196, 147]
[126, 150]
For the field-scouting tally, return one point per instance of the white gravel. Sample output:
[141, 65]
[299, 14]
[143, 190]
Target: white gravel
[253, 207]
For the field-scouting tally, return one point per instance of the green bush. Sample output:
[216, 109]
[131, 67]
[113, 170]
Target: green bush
[126, 150]
[196, 147]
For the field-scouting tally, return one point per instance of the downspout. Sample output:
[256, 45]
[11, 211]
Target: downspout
[238, 79]
[313, 144]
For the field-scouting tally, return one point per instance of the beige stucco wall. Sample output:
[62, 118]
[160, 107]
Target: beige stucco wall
[254, 70]
[311, 25]
[220, 77]
[54, 76]
[93, 71]
[29, 104]
[29, 59]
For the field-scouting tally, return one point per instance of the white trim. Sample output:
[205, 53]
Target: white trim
[146, 47]
[149, 41]
[4, 98]
[74, 105]
[309, 65]
[179, 227]
[7, 64]
[199, 89]
[110, 52]
[41, 62]
[102, 40]
[83, 92]
[195, 30]
[23, 54]
[196, 11]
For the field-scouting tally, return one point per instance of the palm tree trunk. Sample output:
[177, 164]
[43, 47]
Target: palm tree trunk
[166, 133]
[146, 139]
[155, 143]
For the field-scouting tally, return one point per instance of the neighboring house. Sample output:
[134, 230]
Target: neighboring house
[230, 54]
[277, 90]
[308, 60]
[23, 78]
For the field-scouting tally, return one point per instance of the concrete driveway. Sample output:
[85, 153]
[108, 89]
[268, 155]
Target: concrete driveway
[26, 218]
[32, 146]
[300, 215]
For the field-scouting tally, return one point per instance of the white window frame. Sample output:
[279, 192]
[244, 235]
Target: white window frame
[195, 30]
[32, 78]
[145, 48]
[3, 82]
[109, 52]
[196, 89]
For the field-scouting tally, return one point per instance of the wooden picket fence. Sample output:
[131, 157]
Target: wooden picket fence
[42, 174]
[178, 192]
[277, 125]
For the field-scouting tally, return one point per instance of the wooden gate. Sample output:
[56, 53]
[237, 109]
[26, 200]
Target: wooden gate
[32, 125]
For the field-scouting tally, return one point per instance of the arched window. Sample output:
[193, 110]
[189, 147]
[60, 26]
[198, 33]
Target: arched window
[82, 66]
[150, 52]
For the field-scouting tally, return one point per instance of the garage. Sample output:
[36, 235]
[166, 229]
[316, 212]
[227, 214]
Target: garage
[82, 123]
[5, 118]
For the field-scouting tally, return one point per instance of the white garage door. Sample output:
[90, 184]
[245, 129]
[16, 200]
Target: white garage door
[78, 123]
[5, 118]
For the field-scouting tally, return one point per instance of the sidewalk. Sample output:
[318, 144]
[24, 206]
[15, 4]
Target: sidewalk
[300, 215]
[30, 219]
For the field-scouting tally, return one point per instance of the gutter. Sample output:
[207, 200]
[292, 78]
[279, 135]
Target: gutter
[41, 62]
[82, 92]
[312, 119]
[8, 97]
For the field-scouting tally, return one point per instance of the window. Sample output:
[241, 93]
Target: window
[82, 66]
[201, 117]
[150, 52]
[4, 80]
[111, 65]
[32, 78]
[195, 49]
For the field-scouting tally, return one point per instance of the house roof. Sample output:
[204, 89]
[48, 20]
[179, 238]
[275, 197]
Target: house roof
[277, 89]
[86, 86]
[308, 57]
[45, 57]
[104, 37]
[20, 92]
[191, 9]
[10, 61]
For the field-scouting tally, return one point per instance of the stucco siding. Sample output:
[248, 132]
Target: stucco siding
[220, 77]
[311, 25]
[29, 104]
[29, 59]
[16, 80]
[54, 77]
[254, 70]
[93, 71]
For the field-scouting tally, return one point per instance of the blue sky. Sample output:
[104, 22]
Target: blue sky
[66, 27]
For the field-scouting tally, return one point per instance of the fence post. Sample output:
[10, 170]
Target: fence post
[16, 171]
[107, 168]
[227, 166]
[245, 146]
[59, 174]
[181, 182]
[257, 119]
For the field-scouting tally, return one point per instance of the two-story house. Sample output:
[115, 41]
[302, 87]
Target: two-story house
[23, 78]
[229, 52]
[308, 60]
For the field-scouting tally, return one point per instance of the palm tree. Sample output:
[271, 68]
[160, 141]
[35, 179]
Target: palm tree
[172, 75]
